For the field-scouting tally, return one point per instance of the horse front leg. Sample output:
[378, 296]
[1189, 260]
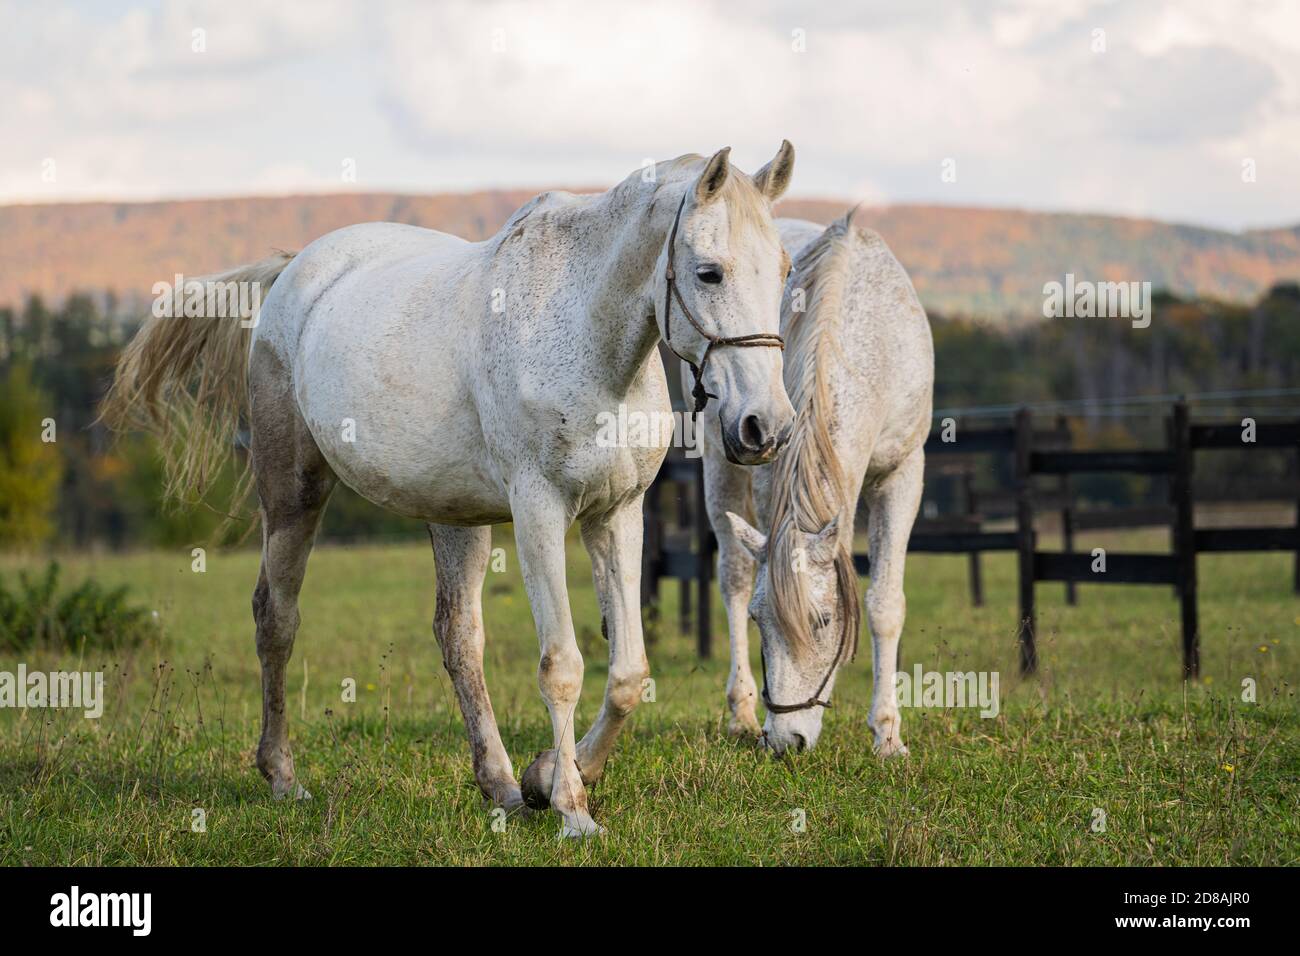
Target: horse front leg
[893, 505]
[736, 579]
[614, 542]
[728, 487]
[541, 520]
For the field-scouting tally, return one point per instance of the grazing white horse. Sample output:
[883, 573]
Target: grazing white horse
[859, 368]
[463, 383]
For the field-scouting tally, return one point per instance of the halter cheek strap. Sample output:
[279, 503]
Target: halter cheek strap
[671, 292]
[815, 700]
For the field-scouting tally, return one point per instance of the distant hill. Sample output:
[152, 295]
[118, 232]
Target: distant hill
[989, 263]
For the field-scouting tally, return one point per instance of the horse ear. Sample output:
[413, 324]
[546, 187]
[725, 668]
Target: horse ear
[715, 174]
[774, 178]
[820, 547]
[755, 541]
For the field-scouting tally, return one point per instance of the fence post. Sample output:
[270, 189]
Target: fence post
[684, 521]
[1067, 537]
[1171, 438]
[704, 552]
[1067, 513]
[1185, 538]
[651, 554]
[973, 561]
[1295, 584]
[1025, 539]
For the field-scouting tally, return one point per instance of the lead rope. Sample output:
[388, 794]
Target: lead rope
[756, 340]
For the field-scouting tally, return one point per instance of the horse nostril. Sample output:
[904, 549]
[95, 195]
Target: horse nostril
[751, 432]
[800, 743]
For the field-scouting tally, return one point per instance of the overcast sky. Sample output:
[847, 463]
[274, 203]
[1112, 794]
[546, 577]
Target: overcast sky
[1139, 108]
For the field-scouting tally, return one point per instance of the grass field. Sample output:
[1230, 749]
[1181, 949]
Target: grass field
[1183, 775]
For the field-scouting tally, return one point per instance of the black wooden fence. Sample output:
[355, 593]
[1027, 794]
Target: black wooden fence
[684, 549]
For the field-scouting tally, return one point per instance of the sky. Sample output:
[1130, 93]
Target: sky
[1182, 111]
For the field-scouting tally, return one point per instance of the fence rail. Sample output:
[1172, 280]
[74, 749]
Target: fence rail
[686, 555]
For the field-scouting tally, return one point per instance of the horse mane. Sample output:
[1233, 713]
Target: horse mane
[747, 206]
[808, 486]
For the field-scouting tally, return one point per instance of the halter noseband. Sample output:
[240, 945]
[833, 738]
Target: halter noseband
[813, 701]
[756, 340]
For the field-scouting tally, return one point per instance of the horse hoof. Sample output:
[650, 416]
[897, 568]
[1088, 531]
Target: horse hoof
[744, 729]
[581, 827]
[292, 790]
[536, 782]
[892, 750]
[512, 802]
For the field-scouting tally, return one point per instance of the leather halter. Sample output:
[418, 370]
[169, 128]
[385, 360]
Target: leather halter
[813, 701]
[756, 340]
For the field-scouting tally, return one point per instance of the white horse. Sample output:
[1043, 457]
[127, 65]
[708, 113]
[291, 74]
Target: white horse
[860, 370]
[462, 384]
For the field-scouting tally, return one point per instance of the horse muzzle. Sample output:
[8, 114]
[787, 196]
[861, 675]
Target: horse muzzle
[793, 733]
[753, 441]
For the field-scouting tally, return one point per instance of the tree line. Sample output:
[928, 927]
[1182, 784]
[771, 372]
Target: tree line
[64, 479]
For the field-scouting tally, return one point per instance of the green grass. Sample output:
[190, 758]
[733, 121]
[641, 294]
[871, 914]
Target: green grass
[1106, 725]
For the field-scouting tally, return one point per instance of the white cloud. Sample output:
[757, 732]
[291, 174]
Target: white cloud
[458, 94]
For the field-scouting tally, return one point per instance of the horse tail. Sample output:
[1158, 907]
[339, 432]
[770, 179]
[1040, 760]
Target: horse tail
[184, 377]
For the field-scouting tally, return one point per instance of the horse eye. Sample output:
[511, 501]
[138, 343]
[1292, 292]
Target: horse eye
[710, 274]
[825, 619]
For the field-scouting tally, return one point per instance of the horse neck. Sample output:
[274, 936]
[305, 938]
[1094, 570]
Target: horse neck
[620, 235]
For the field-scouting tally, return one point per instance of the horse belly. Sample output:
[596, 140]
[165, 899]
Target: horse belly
[394, 418]
[432, 469]
[438, 487]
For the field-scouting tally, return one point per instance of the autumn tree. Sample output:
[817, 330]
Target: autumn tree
[30, 466]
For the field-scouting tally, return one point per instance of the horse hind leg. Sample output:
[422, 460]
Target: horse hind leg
[461, 558]
[294, 483]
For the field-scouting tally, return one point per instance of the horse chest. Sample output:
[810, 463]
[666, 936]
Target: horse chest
[580, 453]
